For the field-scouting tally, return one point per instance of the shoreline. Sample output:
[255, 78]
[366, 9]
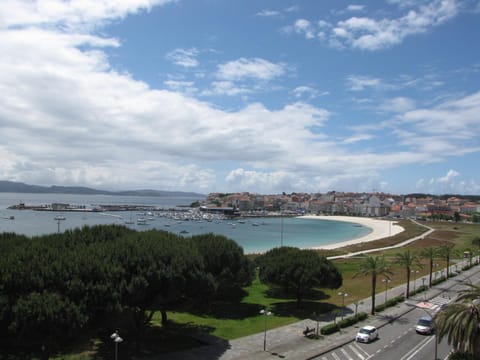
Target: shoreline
[380, 229]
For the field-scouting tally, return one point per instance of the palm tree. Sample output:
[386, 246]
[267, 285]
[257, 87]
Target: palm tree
[460, 322]
[407, 260]
[429, 253]
[374, 266]
[446, 252]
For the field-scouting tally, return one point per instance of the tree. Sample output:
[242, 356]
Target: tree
[298, 271]
[460, 322]
[446, 252]
[429, 253]
[225, 262]
[407, 260]
[374, 266]
[456, 216]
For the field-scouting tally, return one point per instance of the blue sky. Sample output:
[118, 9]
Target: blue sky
[263, 96]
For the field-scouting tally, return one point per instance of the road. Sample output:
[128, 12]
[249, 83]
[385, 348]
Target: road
[398, 339]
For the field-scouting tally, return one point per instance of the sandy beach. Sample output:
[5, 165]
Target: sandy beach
[380, 229]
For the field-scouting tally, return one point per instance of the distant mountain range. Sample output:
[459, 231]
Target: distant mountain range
[18, 187]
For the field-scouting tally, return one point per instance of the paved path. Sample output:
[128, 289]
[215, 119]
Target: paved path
[288, 342]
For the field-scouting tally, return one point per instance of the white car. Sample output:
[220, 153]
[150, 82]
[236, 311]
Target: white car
[366, 334]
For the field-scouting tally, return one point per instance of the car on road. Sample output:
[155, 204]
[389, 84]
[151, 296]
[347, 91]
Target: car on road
[425, 325]
[366, 334]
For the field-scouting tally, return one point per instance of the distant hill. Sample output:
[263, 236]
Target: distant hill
[18, 187]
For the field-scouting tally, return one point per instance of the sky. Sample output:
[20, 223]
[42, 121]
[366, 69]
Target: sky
[265, 96]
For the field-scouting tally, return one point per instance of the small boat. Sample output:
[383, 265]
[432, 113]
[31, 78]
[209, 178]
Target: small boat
[59, 217]
[141, 221]
[255, 224]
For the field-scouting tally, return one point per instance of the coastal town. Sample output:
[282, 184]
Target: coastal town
[247, 204]
[373, 204]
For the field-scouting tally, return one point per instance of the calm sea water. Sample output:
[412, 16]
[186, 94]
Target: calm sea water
[254, 235]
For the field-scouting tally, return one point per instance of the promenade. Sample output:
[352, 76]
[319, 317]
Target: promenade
[288, 342]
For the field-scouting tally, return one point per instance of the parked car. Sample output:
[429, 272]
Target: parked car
[366, 334]
[425, 325]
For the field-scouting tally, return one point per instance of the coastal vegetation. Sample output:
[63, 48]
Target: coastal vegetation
[87, 282]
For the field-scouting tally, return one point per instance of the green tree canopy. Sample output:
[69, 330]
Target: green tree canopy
[225, 262]
[298, 271]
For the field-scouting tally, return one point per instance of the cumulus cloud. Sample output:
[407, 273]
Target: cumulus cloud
[255, 68]
[372, 34]
[448, 177]
[67, 116]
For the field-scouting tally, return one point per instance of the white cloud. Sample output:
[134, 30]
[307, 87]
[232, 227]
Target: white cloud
[184, 57]
[359, 82]
[255, 68]
[79, 15]
[268, 13]
[228, 88]
[306, 91]
[357, 138]
[448, 177]
[68, 116]
[304, 27]
[355, 8]
[454, 118]
[181, 86]
[374, 34]
[398, 105]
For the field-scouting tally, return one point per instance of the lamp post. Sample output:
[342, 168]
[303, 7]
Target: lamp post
[265, 313]
[414, 272]
[356, 307]
[117, 340]
[342, 294]
[386, 281]
[424, 289]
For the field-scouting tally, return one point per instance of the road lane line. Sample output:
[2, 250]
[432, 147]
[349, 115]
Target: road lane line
[347, 355]
[356, 352]
[416, 349]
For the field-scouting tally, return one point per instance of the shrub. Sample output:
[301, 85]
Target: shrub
[329, 329]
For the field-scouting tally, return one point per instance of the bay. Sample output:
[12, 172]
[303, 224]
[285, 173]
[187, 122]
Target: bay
[255, 235]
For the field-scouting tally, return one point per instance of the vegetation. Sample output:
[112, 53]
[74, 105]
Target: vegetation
[460, 322]
[54, 289]
[90, 281]
[374, 266]
[407, 260]
[297, 271]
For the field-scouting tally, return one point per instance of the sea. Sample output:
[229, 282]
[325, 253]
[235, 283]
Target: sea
[254, 235]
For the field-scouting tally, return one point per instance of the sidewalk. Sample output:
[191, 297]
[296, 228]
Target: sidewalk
[288, 342]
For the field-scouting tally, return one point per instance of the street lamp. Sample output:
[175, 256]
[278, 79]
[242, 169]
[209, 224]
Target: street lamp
[386, 281]
[356, 307]
[424, 289]
[414, 272]
[265, 313]
[342, 294]
[117, 340]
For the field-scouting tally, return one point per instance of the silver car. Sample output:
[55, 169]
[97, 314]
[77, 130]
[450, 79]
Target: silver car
[425, 325]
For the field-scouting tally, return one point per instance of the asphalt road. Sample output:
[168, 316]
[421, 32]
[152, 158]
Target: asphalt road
[398, 339]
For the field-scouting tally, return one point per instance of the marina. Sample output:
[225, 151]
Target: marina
[255, 234]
